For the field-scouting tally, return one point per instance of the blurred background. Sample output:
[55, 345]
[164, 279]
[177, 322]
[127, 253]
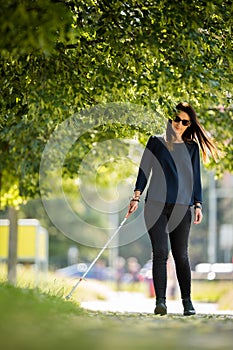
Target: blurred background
[99, 71]
[42, 249]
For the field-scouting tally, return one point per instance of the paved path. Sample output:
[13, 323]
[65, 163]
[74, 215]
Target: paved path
[137, 302]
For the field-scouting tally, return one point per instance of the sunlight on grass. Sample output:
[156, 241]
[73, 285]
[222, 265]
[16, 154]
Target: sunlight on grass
[53, 284]
[214, 292]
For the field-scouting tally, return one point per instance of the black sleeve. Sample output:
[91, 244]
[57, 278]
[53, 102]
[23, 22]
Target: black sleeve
[145, 166]
[197, 176]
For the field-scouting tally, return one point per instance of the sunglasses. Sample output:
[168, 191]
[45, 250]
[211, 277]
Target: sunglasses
[184, 122]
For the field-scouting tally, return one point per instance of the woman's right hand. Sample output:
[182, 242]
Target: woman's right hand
[133, 206]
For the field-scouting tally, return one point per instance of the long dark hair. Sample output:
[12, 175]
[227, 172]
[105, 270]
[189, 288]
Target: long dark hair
[195, 132]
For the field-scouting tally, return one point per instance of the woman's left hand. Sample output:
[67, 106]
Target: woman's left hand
[197, 216]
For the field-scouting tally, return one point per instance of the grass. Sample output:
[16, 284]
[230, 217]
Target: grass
[220, 292]
[30, 319]
[56, 285]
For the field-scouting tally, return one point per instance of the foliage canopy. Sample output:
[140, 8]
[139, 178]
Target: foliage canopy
[60, 57]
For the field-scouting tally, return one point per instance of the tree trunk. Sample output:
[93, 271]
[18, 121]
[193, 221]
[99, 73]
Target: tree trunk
[12, 247]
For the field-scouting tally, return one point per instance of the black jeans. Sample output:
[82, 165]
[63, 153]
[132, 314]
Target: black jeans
[173, 221]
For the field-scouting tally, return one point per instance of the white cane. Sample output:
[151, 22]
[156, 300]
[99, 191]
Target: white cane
[94, 261]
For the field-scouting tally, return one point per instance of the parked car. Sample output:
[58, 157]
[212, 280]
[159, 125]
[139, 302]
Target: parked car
[98, 271]
[221, 271]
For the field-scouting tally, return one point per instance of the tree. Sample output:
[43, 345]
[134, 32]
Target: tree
[59, 58]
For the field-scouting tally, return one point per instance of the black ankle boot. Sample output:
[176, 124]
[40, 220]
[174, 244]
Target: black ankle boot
[160, 308]
[188, 307]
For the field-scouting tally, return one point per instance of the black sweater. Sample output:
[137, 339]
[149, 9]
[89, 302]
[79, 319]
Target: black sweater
[175, 174]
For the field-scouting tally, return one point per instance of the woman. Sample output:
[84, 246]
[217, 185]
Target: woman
[173, 162]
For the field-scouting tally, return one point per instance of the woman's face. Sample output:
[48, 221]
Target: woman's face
[177, 123]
